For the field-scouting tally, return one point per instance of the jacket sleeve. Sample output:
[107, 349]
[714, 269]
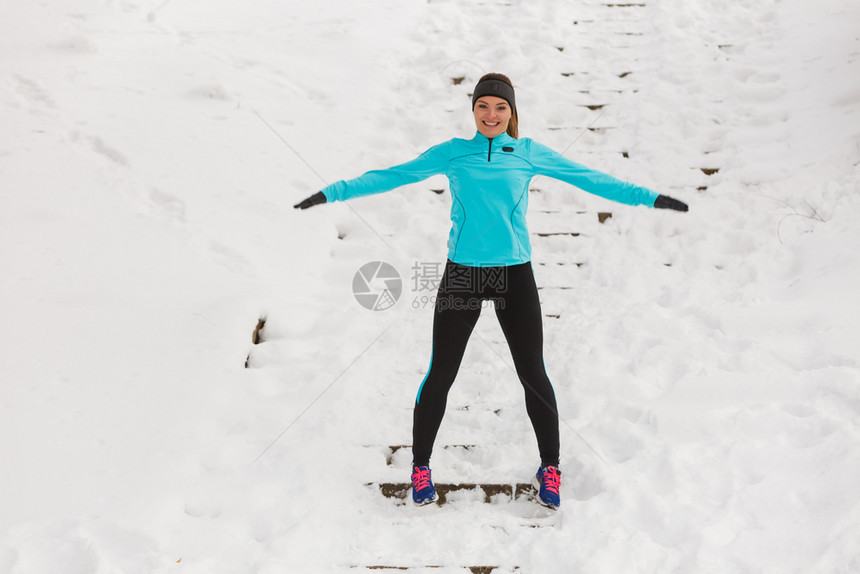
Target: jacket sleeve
[552, 164]
[431, 162]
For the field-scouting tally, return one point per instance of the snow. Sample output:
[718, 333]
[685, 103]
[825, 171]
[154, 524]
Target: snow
[706, 363]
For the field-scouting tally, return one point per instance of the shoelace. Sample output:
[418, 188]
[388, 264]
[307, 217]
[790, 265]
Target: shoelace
[420, 478]
[552, 479]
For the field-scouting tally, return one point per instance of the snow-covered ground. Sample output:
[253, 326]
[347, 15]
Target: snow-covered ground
[706, 364]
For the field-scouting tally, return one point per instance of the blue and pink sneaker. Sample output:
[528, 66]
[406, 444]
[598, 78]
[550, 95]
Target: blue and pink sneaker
[423, 491]
[547, 481]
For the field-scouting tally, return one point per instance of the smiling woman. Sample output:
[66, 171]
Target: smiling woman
[494, 106]
[492, 116]
[489, 259]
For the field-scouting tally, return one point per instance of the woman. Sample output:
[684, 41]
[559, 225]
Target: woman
[489, 258]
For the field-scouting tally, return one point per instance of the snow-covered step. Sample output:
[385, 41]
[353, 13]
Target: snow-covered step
[600, 127]
[561, 247]
[549, 222]
[558, 248]
[471, 569]
[698, 178]
[257, 337]
[555, 300]
[551, 275]
[597, 99]
[559, 257]
[487, 492]
[620, 79]
[608, 26]
[400, 454]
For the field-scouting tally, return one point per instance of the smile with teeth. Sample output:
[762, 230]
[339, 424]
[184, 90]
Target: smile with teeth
[492, 125]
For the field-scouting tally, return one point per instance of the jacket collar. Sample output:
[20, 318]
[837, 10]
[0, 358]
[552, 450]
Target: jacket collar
[504, 138]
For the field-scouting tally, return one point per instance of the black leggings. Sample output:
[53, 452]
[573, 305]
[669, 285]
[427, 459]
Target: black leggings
[458, 305]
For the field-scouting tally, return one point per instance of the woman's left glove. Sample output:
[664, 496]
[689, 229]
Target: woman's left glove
[315, 199]
[666, 202]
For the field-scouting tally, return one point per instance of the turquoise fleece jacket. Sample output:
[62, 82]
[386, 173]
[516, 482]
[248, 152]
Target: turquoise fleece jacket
[489, 183]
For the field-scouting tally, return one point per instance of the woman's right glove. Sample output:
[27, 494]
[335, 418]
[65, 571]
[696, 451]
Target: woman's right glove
[666, 202]
[315, 199]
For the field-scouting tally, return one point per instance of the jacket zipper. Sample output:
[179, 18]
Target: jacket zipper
[490, 150]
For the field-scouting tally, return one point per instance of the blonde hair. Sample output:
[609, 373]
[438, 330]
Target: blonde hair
[514, 123]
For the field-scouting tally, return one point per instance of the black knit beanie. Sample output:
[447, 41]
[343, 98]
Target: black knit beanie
[493, 87]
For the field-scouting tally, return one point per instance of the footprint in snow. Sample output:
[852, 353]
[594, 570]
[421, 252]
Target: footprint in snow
[31, 94]
[109, 152]
[168, 204]
[75, 45]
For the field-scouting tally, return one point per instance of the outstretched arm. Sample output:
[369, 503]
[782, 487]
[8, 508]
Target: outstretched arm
[552, 164]
[431, 162]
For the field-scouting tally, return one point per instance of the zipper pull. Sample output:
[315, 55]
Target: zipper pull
[490, 150]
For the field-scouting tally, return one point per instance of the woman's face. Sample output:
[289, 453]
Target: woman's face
[492, 115]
